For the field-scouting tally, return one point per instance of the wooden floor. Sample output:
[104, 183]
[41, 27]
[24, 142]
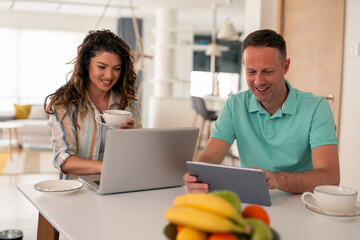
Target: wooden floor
[16, 211]
[26, 161]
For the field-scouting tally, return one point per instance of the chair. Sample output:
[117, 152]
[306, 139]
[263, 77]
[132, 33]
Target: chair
[199, 106]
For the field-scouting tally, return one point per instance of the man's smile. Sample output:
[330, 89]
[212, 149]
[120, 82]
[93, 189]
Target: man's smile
[261, 90]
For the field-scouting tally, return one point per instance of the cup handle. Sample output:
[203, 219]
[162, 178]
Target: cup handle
[97, 120]
[303, 196]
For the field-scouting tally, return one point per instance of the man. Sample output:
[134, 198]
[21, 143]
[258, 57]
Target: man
[288, 133]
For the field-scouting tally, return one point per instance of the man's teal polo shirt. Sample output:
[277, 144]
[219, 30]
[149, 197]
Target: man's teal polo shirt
[281, 142]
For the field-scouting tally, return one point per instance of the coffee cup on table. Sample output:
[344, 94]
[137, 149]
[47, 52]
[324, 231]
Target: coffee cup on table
[113, 118]
[331, 199]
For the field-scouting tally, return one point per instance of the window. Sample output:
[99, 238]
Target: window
[229, 61]
[227, 67]
[34, 64]
[201, 83]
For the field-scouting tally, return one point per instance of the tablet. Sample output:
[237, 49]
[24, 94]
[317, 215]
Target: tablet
[249, 184]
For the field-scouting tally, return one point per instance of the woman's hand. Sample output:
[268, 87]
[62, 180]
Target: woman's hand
[193, 186]
[129, 125]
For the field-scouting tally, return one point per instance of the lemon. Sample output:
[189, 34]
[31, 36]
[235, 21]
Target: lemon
[190, 234]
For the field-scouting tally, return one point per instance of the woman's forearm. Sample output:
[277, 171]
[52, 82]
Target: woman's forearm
[78, 166]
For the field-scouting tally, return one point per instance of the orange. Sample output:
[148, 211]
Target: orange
[179, 227]
[257, 212]
[222, 236]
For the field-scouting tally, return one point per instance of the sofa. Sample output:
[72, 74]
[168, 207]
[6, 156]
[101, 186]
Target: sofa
[35, 130]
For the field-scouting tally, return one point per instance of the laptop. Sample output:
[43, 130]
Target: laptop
[143, 159]
[249, 184]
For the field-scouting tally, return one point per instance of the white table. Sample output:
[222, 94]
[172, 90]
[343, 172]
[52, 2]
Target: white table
[139, 215]
[12, 126]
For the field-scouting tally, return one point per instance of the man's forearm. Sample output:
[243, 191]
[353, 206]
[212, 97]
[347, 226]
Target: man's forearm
[303, 181]
[208, 158]
[215, 151]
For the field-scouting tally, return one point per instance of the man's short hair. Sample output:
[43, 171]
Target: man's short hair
[265, 38]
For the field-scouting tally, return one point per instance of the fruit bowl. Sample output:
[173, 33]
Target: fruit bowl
[170, 233]
[216, 215]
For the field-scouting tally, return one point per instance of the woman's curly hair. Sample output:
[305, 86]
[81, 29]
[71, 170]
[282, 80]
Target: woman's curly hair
[73, 93]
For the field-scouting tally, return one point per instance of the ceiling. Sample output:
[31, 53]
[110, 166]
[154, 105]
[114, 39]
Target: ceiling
[187, 9]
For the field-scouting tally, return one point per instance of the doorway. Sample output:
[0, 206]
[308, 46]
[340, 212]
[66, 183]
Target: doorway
[314, 34]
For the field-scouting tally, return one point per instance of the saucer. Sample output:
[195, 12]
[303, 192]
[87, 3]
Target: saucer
[58, 187]
[350, 215]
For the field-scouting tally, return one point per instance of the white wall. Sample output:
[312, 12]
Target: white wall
[349, 139]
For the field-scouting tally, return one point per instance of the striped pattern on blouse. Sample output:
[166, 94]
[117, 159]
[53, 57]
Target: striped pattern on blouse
[82, 140]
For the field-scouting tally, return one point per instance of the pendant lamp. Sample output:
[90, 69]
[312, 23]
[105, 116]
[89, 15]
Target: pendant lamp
[213, 49]
[227, 32]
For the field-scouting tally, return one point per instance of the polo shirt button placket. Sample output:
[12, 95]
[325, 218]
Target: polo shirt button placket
[268, 131]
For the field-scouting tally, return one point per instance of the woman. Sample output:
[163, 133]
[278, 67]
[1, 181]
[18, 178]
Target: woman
[103, 78]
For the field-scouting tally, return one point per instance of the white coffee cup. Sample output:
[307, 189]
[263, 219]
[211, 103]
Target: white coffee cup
[113, 118]
[331, 199]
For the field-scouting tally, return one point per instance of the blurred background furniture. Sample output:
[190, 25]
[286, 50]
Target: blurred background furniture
[34, 130]
[201, 110]
[11, 126]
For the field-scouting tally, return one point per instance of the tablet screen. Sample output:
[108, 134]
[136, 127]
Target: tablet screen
[250, 184]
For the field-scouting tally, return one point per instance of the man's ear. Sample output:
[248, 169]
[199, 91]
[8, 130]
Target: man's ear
[286, 65]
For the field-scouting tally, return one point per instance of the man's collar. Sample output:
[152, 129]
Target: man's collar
[255, 106]
[290, 104]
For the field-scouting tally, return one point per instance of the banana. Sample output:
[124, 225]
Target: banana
[231, 197]
[201, 220]
[207, 202]
[213, 204]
